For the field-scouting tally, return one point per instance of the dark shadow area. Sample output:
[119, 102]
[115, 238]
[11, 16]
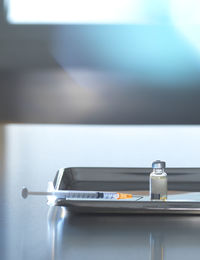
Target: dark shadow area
[2, 194]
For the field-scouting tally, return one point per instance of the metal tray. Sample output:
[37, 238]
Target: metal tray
[183, 190]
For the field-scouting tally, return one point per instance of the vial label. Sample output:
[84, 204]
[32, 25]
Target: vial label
[155, 196]
[158, 188]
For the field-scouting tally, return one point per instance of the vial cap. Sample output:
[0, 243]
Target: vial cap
[158, 164]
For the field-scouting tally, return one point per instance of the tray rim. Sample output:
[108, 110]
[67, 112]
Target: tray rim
[146, 207]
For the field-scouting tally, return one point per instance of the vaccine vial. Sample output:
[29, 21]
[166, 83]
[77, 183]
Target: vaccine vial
[158, 181]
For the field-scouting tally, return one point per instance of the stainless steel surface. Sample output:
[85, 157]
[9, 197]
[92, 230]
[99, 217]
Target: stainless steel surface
[30, 155]
[183, 189]
[124, 237]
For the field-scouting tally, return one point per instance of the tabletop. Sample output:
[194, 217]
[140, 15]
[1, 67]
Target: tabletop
[30, 229]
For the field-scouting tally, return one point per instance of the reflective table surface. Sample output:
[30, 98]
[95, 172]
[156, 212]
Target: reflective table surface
[30, 229]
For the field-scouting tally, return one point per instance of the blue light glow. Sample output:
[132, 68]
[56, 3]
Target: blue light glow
[159, 43]
[157, 55]
[186, 19]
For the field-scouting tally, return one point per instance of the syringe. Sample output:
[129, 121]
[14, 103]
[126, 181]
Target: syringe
[74, 194]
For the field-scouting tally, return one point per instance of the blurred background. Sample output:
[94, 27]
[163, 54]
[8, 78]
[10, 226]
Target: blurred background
[126, 73]
[103, 83]
[100, 62]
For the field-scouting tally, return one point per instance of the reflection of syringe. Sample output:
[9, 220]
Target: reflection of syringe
[69, 194]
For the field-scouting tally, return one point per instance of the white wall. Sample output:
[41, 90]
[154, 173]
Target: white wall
[112, 146]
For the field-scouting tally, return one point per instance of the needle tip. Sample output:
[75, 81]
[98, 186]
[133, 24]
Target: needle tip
[24, 192]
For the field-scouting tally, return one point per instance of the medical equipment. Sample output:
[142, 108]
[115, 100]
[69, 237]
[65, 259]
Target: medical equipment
[158, 181]
[70, 194]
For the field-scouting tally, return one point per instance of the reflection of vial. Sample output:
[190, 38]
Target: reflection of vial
[158, 181]
[156, 246]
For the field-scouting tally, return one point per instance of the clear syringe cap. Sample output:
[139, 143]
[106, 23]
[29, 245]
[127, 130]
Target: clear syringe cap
[158, 164]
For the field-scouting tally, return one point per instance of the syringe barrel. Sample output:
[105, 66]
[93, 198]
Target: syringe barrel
[80, 195]
[89, 195]
[108, 195]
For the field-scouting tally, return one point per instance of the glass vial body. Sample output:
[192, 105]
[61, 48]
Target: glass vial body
[158, 184]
